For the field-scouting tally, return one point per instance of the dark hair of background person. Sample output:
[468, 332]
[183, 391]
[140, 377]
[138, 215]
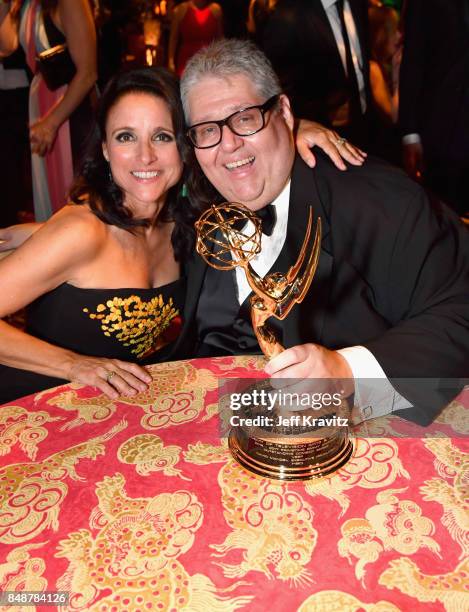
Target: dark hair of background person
[383, 22]
[94, 183]
[49, 5]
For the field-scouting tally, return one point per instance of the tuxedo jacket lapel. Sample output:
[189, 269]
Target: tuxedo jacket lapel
[311, 313]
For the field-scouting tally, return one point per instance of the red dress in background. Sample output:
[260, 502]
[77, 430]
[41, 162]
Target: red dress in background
[197, 29]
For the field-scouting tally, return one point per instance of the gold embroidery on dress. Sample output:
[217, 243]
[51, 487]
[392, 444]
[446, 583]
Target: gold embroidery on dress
[134, 322]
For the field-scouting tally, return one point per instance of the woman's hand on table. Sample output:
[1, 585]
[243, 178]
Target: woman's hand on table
[311, 134]
[112, 376]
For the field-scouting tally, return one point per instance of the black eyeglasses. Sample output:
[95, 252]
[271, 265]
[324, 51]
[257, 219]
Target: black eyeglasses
[245, 122]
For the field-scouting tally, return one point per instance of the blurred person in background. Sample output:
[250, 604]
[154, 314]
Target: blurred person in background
[385, 58]
[320, 50]
[58, 120]
[386, 53]
[434, 97]
[15, 156]
[235, 16]
[194, 25]
[258, 15]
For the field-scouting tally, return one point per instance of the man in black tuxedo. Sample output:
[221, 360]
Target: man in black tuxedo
[434, 97]
[320, 51]
[391, 294]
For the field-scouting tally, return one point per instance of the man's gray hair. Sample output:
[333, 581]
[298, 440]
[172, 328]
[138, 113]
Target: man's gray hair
[227, 57]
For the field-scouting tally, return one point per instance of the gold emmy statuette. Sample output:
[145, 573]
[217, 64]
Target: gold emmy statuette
[284, 449]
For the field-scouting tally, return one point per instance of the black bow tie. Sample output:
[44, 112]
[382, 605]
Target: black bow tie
[268, 217]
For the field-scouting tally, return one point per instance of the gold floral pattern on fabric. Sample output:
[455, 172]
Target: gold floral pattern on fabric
[205, 454]
[452, 464]
[390, 525]
[18, 425]
[456, 416]
[332, 601]
[380, 427]
[31, 494]
[250, 363]
[374, 465]
[450, 588]
[271, 525]
[135, 323]
[175, 396]
[149, 454]
[134, 554]
[21, 572]
[90, 409]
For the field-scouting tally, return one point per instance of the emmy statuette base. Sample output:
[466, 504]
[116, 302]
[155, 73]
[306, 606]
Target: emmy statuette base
[292, 459]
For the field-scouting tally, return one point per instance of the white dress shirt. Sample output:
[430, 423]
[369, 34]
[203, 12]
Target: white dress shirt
[357, 58]
[374, 394]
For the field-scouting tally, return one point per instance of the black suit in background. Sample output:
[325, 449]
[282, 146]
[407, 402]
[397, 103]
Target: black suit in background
[15, 155]
[393, 276]
[434, 93]
[300, 43]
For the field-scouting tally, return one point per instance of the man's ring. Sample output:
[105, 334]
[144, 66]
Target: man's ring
[340, 141]
[110, 375]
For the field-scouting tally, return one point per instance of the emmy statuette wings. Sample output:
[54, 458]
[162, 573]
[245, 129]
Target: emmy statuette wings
[223, 246]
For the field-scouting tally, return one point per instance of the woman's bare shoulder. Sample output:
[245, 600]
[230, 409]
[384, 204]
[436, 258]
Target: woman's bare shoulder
[76, 225]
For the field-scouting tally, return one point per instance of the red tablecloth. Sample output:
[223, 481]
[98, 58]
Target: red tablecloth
[137, 505]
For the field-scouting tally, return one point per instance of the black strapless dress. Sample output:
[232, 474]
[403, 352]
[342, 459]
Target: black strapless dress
[135, 325]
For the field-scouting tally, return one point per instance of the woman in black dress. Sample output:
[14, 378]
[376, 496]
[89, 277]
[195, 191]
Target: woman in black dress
[102, 276]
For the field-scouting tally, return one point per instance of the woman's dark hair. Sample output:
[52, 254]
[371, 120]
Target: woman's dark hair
[49, 5]
[94, 183]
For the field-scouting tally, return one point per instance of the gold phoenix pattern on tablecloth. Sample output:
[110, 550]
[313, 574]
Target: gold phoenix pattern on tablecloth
[271, 524]
[21, 572]
[329, 601]
[452, 464]
[456, 416]
[256, 541]
[390, 525]
[134, 553]
[31, 494]
[134, 322]
[374, 465]
[89, 409]
[175, 396]
[149, 454]
[450, 588]
[18, 425]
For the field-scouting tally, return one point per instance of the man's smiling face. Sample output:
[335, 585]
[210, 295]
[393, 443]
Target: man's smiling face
[251, 170]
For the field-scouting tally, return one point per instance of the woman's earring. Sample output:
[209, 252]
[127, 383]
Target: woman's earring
[184, 190]
[111, 178]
